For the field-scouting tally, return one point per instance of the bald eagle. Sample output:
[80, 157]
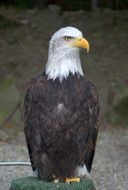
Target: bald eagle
[61, 112]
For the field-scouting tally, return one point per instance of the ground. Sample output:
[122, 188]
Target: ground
[23, 47]
[110, 166]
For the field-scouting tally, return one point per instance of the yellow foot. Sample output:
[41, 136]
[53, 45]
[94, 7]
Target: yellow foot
[75, 179]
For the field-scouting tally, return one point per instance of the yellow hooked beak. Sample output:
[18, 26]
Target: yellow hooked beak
[81, 43]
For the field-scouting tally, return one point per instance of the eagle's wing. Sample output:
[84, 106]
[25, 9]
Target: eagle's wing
[32, 124]
[93, 109]
[31, 128]
[34, 119]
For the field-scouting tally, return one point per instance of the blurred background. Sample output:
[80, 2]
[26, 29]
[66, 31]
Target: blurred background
[25, 30]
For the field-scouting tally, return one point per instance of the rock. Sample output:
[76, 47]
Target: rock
[24, 22]
[54, 8]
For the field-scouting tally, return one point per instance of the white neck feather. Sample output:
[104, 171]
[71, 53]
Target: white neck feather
[63, 62]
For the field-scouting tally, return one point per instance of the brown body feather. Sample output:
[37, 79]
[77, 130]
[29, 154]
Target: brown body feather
[60, 125]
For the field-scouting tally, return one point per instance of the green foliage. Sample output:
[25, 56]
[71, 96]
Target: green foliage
[111, 118]
[68, 5]
[119, 114]
[5, 83]
[122, 108]
[9, 97]
[3, 114]
[23, 4]
[75, 5]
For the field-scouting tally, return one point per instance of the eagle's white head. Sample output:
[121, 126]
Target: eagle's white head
[63, 56]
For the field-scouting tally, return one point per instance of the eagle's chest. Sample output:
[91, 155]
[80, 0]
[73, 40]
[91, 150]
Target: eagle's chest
[63, 96]
[62, 106]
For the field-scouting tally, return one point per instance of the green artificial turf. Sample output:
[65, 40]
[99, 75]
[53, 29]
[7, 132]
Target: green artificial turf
[32, 183]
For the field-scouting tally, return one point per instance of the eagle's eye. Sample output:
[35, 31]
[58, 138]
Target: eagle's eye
[67, 38]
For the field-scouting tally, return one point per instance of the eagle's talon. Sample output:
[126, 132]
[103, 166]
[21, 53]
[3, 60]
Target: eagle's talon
[75, 179]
